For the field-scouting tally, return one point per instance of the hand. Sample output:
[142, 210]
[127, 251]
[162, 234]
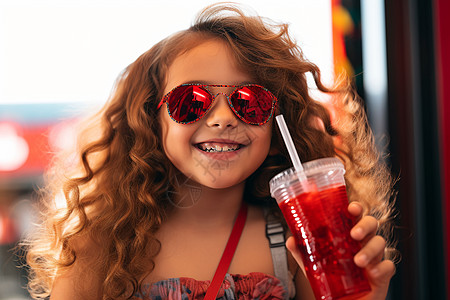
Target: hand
[370, 257]
[379, 272]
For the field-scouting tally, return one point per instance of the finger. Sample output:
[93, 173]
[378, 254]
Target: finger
[371, 253]
[381, 273]
[379, 277]
[291, 246]
[355, 209]
[365, 228]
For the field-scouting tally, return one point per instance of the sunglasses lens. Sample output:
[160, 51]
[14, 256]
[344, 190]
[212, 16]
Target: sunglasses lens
[253, 104]
[188, 103]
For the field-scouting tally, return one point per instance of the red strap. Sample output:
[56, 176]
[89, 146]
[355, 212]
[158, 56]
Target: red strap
[228, 253]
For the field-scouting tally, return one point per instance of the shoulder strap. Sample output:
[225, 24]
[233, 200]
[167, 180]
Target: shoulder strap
[228, 253]
[276, 235]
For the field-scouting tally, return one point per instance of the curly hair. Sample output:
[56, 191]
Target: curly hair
[117, 193]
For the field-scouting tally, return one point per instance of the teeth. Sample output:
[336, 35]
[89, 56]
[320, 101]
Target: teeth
[217, 148]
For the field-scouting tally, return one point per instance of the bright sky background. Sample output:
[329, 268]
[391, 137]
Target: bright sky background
[73, 50]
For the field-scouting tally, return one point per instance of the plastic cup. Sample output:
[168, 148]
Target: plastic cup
[316, 212]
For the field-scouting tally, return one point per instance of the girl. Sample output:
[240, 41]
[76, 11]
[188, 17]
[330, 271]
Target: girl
[165, 167]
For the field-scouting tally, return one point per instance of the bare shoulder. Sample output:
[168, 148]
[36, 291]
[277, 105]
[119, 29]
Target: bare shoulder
[83, 279]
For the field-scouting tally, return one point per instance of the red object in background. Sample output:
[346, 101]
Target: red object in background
[442, 25]
[27, 149]
[39, 155]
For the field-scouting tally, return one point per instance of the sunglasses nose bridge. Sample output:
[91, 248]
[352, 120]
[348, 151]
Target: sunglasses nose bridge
[218, 94]
[221, 101]
[216, 97]
[220, 113]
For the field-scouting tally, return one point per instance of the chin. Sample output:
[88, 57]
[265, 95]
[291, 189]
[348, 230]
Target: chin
[220, 182]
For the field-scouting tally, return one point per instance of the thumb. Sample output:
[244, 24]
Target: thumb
[292, 247]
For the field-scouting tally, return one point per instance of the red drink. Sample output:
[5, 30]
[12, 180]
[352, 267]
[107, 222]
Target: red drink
[321, 225]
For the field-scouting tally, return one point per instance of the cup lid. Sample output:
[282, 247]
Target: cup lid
[310, 168]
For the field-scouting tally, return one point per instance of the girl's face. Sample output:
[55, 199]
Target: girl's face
[238, 149]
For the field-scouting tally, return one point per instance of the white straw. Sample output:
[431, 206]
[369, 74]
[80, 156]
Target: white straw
[289, 143]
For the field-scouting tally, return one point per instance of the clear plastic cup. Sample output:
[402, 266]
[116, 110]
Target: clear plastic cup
[316, 212]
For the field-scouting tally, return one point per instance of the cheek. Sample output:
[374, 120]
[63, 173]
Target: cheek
[163, 128]
[262, 142]
[166, 133]
[176, 138]
[266, 134]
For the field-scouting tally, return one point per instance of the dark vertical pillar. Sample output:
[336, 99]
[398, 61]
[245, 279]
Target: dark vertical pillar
[415, 151]
[442, 25]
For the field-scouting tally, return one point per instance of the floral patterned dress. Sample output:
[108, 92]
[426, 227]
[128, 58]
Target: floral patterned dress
[239, 287]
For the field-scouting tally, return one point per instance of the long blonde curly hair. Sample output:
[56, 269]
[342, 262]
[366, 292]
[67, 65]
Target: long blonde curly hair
[117, 191]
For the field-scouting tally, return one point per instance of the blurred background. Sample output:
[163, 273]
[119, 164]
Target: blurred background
[59, 60]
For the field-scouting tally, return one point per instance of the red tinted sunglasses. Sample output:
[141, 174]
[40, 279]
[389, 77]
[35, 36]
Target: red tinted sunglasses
[188, 103]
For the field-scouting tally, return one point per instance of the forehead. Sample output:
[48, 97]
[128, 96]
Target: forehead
[209, 62]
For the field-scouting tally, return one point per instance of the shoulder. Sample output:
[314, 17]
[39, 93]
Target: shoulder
[82, 279]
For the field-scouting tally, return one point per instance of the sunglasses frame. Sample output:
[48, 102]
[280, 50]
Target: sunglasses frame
[214, 96]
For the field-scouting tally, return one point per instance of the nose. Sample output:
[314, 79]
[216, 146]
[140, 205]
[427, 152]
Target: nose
[220, 115]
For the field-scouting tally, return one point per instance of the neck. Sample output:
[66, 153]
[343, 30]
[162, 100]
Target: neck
[207, 206]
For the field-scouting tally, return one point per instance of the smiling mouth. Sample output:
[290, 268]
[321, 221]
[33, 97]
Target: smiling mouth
[218, 147]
